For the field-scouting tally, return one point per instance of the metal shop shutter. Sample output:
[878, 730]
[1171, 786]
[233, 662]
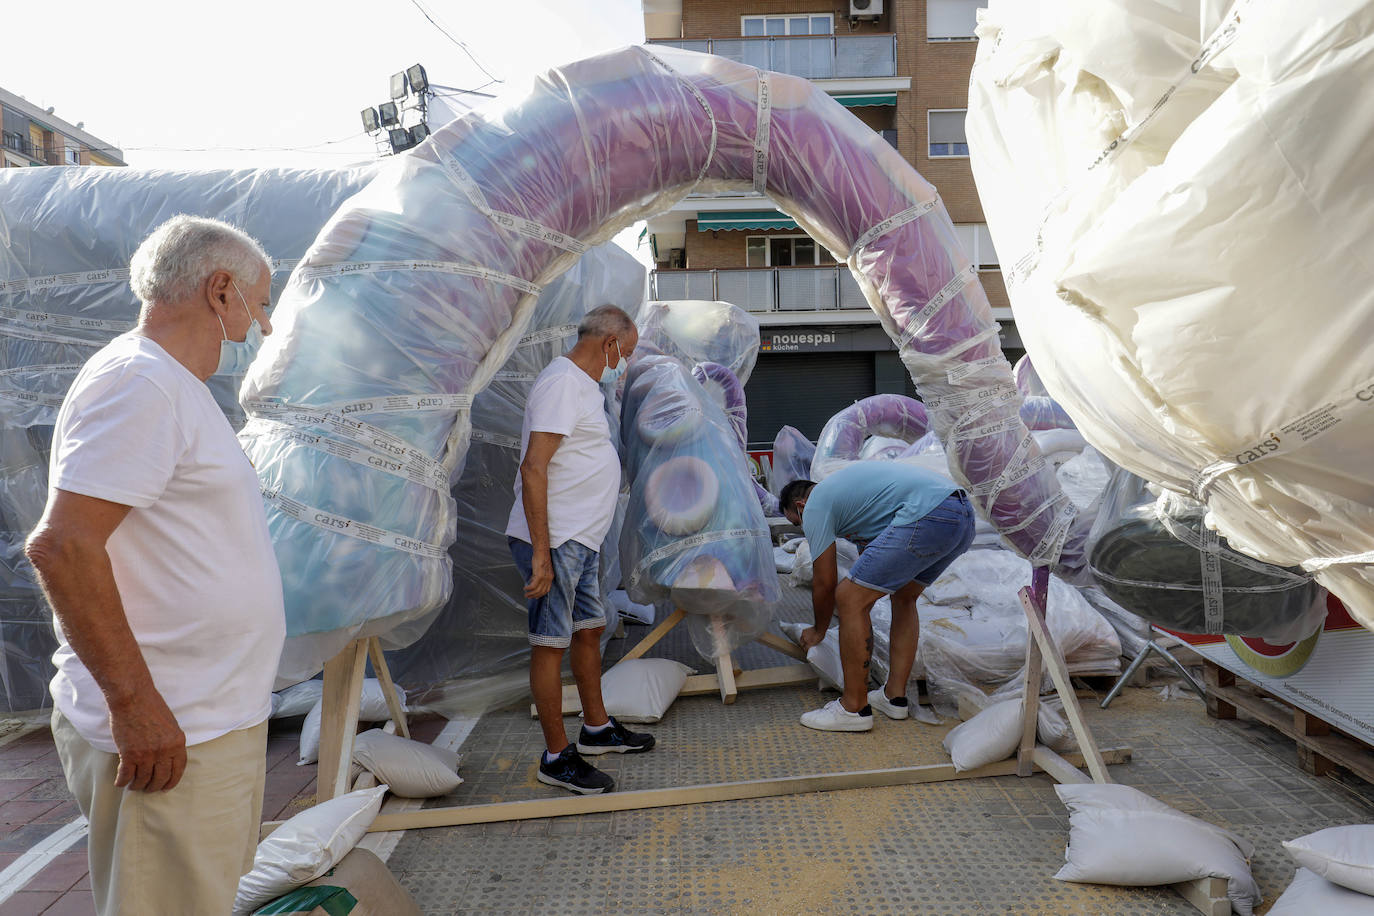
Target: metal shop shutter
[803, 390]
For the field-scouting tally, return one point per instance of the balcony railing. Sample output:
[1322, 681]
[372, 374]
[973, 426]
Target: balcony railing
[21, 144]
[765, 289]
[815, 57]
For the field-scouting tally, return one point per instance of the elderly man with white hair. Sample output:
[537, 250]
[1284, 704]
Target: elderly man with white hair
[154, 554]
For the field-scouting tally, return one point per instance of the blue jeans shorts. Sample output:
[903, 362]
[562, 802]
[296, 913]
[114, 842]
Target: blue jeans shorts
[572, 603]
[919, 552]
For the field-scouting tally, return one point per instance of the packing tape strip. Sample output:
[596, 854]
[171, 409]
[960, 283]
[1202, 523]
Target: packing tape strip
[951, 289]
[1213, 603]
[964, 370]
[1186, 535]
[1289, 437]
[762, 127]
[701, 100]
[364, 434]
[409, 471]
[25, 333]
[897, 220]
[687, 543]
[491, 438]
[510, 221]
[558, 332]
[347, 527]
[1047, 552]
[63, 281]
[347, 268]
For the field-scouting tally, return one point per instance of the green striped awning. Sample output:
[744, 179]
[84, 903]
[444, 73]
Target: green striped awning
[872, 98]
[708, 220]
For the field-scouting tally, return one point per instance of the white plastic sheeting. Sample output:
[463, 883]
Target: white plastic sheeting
[1174, 187]
[419, 288]
[66, 236]
[699, 331]
[792, 454]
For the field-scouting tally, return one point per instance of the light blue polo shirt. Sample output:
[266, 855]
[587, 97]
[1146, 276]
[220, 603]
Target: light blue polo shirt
[859, 501]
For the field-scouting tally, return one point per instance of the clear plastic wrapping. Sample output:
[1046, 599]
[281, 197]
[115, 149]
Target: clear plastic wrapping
[892, 416]
[792, 453]
[698, 331]
[1153, 554]
[64, 293]
[694, 535]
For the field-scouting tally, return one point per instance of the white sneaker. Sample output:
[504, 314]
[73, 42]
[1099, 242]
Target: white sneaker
[833, 717]
[879, 701]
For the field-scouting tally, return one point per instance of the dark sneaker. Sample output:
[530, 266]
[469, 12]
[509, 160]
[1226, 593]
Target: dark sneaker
[571, 772]
[614, 740]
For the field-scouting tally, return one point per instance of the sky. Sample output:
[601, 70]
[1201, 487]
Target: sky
[256, 83]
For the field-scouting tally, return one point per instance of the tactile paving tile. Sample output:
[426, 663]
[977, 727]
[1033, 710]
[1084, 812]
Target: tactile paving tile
[984, 846]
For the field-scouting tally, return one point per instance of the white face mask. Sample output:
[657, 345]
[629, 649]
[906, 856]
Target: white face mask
[235, 356]
[611, 374]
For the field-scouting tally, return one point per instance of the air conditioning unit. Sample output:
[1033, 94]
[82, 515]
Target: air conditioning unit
[865, 9]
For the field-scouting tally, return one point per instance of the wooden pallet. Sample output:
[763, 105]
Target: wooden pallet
[1320, 747]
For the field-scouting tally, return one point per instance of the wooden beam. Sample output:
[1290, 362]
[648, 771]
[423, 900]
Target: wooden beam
[725, 667]
[1059, 673]
[703, 684]
[1063, 772]
[656, 634]
[1031, 680]
[393, 702]
[343, 693]
[563, 806]
[778, 644]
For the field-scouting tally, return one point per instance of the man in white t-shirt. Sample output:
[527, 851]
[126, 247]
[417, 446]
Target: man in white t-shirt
[154, 554]
[565, 497]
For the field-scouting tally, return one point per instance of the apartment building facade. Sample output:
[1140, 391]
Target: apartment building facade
[902, 68]
[35, 136]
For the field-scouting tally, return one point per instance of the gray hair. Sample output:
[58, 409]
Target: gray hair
[604, 320]
[174, 261]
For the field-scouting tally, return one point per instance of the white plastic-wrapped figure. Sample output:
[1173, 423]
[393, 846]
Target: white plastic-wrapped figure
[1174, 188]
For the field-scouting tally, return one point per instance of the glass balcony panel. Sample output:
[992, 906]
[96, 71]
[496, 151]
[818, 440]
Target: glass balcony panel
[802, 289]
[812, 58]
[751, 290]
[850, 296]
[865, 55]
[827, 57]
[751, 51]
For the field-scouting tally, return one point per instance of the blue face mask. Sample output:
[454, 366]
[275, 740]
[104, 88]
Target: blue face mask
[611, 374]
[235, 356]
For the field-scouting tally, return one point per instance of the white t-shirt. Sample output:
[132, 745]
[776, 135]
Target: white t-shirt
[584, 474]
[193, 560]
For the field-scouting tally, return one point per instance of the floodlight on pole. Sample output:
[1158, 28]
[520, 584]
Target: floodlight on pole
[400, 139]
[371, 124]
[398, 85]
[388, 114]
[419, 80]
[418, 133]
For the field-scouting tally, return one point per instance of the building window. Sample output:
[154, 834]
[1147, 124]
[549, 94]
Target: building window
[799, 24]
[785, 251]
[977, 242]
[952, 20]
[73, 154]
[946, 130]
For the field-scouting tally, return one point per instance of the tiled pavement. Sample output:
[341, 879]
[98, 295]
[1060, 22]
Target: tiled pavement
[988, 846]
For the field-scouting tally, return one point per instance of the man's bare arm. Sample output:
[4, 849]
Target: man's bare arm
[824, 577]
[534, 496]
[67, 549]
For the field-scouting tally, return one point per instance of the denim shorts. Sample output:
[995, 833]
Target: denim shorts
[919, 552]
[574, 600]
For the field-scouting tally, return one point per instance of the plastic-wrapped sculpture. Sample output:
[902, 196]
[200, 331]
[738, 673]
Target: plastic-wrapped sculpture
[417, 291]
[1174, 184]
[694, 535]
[792, 454]
[699, 331]
[894, 416]
[66, 236]
[722, 385]
[480, 633]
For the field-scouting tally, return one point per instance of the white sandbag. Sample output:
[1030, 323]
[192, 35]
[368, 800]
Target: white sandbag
[823, 657]
[1110, 138]
[297, 700]
[307, 846]
[642, 689]
[1052, 728]
[412, 769]
[992, 735]
[1341, 855]
[632, 610]
[785, 560]
[1119, 835]
[1310, 894]
[846, 555]
[372, 708]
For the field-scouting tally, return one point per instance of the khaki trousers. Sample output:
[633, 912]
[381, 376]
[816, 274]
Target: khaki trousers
[177, 852]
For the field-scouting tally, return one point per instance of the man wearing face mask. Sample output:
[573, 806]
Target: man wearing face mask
[154, 554]
[565, 498]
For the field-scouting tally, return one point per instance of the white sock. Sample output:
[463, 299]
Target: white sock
[550, 758]
[596, 729]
